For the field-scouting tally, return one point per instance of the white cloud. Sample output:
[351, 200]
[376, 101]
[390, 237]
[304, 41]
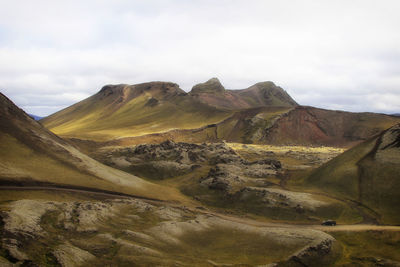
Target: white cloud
[340, 54]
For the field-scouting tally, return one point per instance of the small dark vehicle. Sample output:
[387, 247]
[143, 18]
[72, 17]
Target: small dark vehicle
[329, 223]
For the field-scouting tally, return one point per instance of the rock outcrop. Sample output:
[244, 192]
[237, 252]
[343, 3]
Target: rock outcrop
[168, 159]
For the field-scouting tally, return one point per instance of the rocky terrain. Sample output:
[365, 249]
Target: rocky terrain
[168, 159]
[129, 231]
[217, 175]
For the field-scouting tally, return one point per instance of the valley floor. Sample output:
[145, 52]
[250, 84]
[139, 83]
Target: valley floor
[231, 213]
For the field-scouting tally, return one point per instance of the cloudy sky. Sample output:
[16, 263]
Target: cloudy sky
[331, 54]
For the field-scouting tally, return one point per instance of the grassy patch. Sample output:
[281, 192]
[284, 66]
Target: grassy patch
[360, 248]
[99, 121]
[230, 246]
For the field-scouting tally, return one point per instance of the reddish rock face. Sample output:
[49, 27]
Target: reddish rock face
[313, 126]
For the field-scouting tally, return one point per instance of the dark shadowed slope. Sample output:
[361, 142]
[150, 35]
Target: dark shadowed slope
[368, 173]
[30, 154]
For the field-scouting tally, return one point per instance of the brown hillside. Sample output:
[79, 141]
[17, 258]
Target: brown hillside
[274, 125]
[282, 126]
[32, 155]
[264, 94]
[314, 126]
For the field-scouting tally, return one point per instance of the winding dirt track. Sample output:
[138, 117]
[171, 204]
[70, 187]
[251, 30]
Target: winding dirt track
[353, 227]
[337, 228]
[92, 191]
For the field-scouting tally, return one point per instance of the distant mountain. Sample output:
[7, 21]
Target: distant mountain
[132, 110]
[368, 173]
[35, 117]
[30, 155]
[263, 113]
[396, 114]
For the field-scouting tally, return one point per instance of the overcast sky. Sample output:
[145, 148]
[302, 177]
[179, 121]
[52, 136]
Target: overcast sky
[331, 54]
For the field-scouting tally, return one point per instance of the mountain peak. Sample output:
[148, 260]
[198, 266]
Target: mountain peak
[270, 93]
[266, 84]
[159, 90]
[162, 86]
[213, 85]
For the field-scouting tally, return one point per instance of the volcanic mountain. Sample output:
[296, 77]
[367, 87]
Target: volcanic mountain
[133, 110]
[368, 173]
[263, 114]
[30, 155]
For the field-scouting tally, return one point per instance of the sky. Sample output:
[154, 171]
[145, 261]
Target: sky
[342, 54]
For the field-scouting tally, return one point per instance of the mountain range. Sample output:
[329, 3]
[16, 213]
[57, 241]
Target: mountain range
[261, 114]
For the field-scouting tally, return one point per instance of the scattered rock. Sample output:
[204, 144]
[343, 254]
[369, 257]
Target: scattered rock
[307, 256]
[25, 215]
[274, 197]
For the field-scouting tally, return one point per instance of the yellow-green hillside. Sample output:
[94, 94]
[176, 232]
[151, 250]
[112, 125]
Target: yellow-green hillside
[125, 111]
[31, 155]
